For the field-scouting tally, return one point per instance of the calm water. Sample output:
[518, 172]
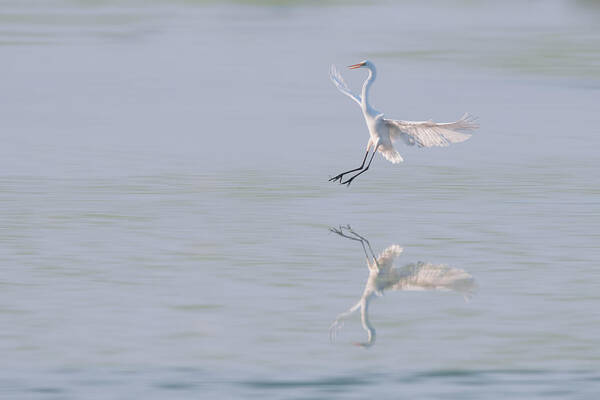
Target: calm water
[165, 206]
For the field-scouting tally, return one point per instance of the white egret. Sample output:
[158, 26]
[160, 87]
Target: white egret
[383, 132]
[384, 275]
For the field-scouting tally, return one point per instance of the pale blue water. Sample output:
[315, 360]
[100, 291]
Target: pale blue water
[165, 204]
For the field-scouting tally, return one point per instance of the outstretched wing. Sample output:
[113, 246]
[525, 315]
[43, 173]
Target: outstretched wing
[387, 257]
[426, 276]
[428, 133]
[340, 83]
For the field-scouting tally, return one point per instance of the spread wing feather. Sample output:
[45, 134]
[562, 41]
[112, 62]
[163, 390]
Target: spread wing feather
[429, 133]
[340, 83]
[426, 276]
[387, 257]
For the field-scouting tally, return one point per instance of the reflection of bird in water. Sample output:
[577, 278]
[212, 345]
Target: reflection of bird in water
[383, 275]
[384, 131]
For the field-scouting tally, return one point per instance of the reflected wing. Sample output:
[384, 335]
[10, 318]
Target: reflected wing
[340, 83]
[428, 133]
[425, 276]
[387, 257]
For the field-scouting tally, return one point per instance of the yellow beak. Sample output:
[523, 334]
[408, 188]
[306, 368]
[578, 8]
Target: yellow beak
[356, 65]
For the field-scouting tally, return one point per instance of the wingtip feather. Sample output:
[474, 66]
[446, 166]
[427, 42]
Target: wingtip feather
[467, 122]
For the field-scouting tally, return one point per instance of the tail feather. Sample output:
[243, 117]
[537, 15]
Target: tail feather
[390, 154]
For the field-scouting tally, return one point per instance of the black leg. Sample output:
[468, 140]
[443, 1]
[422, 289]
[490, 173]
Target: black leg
[357, 238]
[335, 178]
[349, 181]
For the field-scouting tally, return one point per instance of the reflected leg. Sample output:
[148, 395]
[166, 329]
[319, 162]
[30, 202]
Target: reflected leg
[365, 240]
[358, 238]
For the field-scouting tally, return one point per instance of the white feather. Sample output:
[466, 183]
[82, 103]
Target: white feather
[387, 257]
[426, 276]
[384, 132]
[390, 154]
[429, 133]
[418, 276]
[340, 83]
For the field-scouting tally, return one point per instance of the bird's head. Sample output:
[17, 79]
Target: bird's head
[362, 64]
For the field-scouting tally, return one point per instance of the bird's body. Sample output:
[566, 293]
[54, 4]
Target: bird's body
[379, 135]
[384, 132]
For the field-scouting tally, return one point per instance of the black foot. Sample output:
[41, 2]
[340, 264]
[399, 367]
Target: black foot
[337, 177]
[340, 230]
[348, 182]
[334, 230]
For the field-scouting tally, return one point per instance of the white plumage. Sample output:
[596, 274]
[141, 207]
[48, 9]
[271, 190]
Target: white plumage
[340, 83]
[384, 275]
[427, 276]
[428, 133]
[385, 132]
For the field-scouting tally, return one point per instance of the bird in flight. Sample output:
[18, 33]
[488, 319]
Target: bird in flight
[384, 132]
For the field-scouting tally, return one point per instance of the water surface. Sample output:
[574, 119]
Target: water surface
[165, 205]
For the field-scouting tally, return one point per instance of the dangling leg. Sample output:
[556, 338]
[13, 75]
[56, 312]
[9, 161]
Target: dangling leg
[339, 176]
[335, 178]
[349, 181]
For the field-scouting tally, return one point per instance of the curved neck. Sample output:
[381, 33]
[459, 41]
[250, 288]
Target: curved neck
[366, 324]
[367, 86]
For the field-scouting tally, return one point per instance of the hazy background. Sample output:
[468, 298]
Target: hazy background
[164, 201]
